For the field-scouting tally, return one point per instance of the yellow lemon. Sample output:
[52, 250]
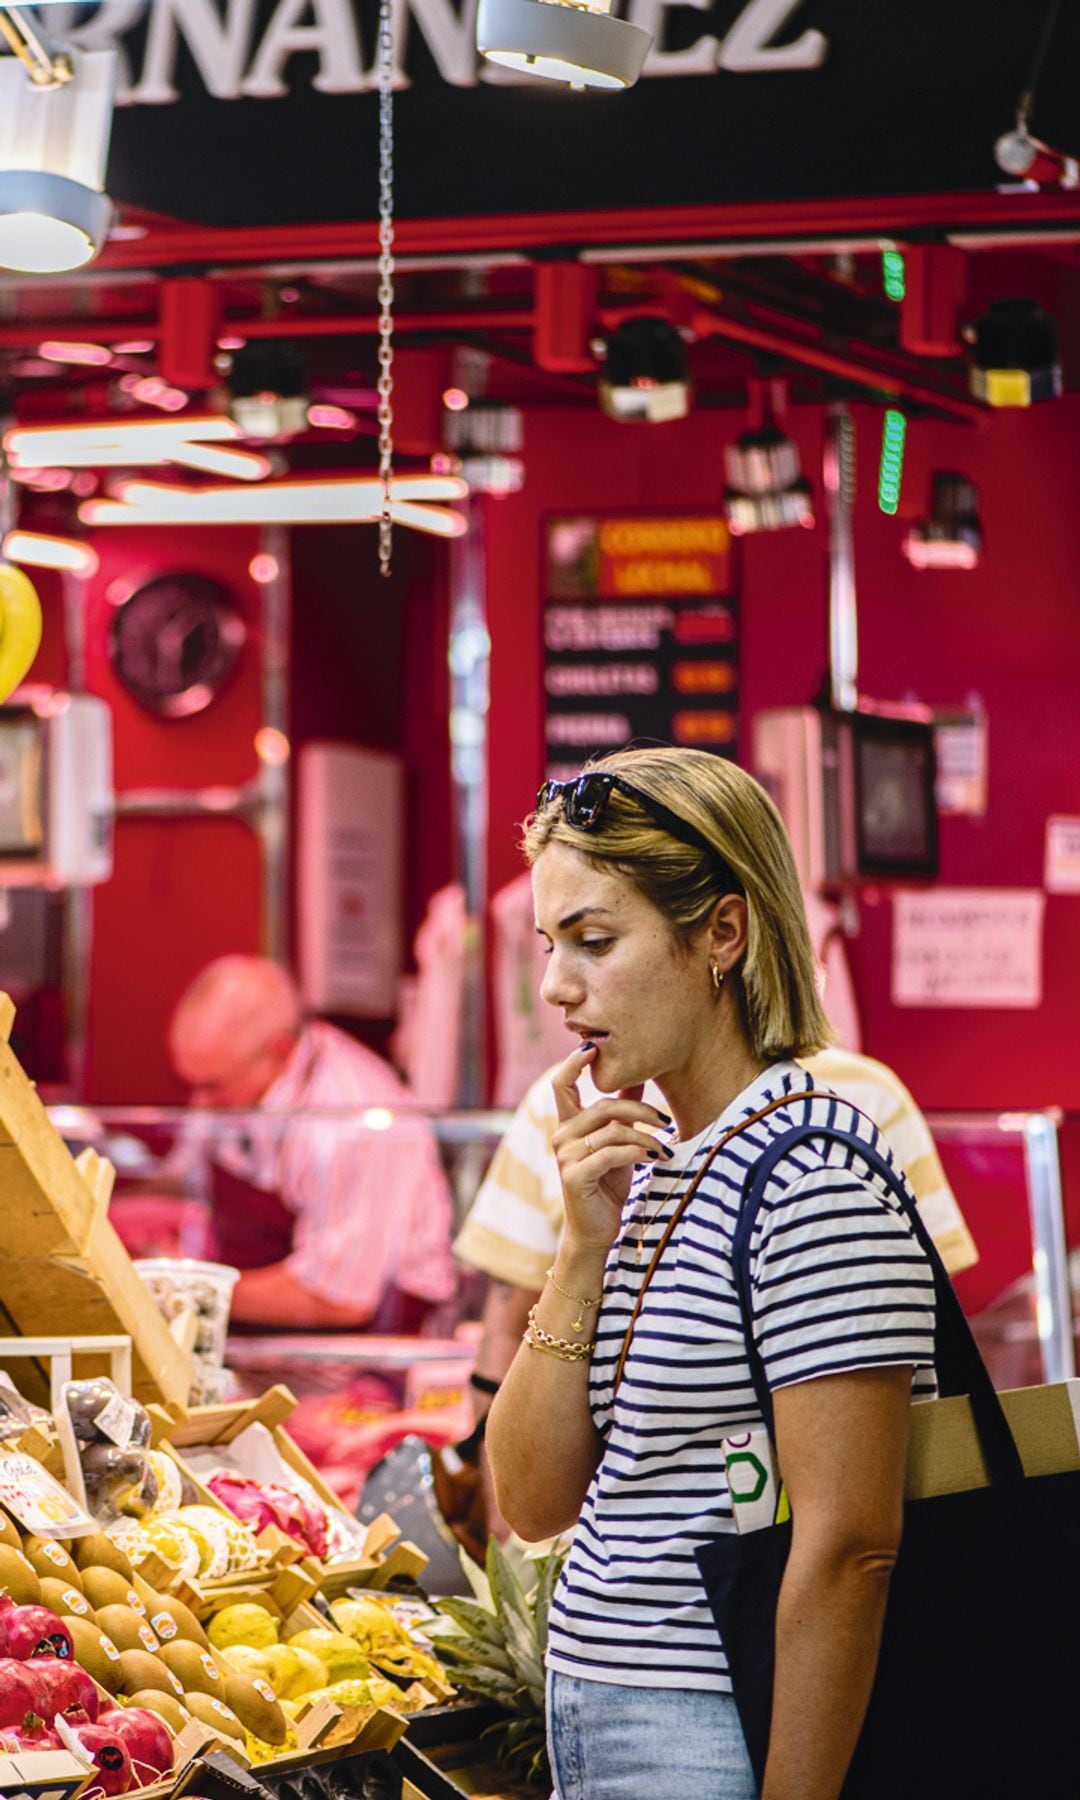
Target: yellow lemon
[244, 1623]
[292, 1672]
[246, 1660]
[342, 1659]
[368, 1622]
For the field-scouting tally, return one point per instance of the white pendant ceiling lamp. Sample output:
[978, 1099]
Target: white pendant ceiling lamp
[580, 45]
[55, 118]
[340, 500]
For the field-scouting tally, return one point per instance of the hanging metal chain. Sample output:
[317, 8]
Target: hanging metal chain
[386, 281]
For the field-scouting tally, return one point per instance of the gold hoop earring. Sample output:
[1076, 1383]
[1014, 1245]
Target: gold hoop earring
[717, 974]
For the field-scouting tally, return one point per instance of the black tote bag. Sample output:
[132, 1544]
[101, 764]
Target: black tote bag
[977, 1691]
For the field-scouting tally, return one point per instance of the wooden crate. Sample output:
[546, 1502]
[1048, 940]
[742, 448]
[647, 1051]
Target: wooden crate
[385, 1557]
[63, 1270]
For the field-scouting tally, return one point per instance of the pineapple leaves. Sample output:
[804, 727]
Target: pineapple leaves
[497, 1650]
[519, 1629]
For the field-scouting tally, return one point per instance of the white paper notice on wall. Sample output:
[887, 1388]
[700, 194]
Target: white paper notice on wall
[968, 947]
[1062, 869]
[350, 874]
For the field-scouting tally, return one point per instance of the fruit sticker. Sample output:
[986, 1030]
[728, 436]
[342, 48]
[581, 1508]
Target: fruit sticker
[264, 1688]
[148, 1638]
[73, 1601]
[165, 1626]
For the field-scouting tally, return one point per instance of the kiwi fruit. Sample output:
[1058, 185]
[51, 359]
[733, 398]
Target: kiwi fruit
[18, 1578]
[96, 1653]
[128, 1630]
[167, 1707]
[98, 1551]
[105, 1587]
[195, 1669]
[213, 1713]
[170, 1617]
[8, 1533]
[255, 1706]
[50, 1558]
[61, 1598]
[139, 1670]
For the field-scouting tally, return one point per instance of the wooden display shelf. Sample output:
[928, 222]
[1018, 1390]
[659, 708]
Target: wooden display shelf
[63, 1270]
[385, 1556]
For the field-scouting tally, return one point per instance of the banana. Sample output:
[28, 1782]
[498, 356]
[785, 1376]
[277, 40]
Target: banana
[20, 627]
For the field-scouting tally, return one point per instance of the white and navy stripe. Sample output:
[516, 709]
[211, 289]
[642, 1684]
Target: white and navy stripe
[839, 1283]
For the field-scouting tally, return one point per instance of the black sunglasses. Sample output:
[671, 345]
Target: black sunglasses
[585, 799]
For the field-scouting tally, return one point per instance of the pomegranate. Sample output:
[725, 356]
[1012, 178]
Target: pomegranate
[145, 1738]
[31, 1734]
[62, 1687]
[27, 1631]
[113, 1764]
[19, 1692]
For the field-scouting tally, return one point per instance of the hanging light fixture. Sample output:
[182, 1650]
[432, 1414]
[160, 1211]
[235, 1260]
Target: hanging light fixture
[207, 443]
[267, 385]
[55, 118]
[646, 375]
[1014, 355]
[319, 500]
[581, 45]
[765, 487]
[951, 538]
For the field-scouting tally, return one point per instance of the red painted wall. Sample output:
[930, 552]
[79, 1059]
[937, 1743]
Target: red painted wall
[367, 666]
[1008, 631]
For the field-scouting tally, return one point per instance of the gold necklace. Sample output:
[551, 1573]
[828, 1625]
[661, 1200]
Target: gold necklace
[647, 1222]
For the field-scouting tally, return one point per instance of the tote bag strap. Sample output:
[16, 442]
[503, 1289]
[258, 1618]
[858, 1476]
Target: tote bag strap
[743, 1125]
[960, 1368]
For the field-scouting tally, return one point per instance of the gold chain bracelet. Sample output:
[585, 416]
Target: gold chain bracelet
[566, 1351]
[581, 1303]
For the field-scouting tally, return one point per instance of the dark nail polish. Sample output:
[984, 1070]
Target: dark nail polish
[665, 1116]
[588, 1044]
[667, 1150]
[652, 1155]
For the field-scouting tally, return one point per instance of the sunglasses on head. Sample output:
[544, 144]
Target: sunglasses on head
[585, 799]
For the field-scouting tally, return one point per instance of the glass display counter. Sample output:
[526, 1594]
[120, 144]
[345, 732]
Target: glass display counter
[1014, 1174]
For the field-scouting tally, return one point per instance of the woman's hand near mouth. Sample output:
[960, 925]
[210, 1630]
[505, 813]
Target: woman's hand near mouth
[596, 1148]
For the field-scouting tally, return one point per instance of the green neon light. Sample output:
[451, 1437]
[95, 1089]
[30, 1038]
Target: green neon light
[892, 274]
[891, 473]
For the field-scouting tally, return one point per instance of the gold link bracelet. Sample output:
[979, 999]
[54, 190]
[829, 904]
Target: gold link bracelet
[581, 1303]
[566, 1351]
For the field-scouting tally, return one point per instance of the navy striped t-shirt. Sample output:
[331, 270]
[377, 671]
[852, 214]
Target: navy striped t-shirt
[839, 1283]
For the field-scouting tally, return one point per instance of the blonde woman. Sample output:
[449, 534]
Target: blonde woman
[668, 900]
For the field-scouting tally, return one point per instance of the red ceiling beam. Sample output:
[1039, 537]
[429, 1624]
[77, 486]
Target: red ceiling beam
[891, 216]
[288, 324]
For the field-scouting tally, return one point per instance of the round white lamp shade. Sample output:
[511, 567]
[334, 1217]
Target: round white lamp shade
[562, 42]
[49, 223]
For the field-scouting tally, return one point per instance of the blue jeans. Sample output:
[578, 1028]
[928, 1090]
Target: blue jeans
[631, 1743]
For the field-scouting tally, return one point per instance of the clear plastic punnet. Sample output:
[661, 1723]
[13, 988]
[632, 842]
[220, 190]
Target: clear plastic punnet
[182, 1284]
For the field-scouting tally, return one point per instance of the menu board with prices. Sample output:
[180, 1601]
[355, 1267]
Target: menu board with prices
[640, 637]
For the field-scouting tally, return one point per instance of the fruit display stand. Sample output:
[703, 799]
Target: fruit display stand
[63, 1270]
[444, 1755]
[382, 1557]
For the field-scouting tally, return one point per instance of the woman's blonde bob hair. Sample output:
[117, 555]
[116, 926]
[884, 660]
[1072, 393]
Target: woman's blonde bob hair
[781, 1010]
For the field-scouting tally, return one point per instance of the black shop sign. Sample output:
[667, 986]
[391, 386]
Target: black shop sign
[248, 112]
[640, 636]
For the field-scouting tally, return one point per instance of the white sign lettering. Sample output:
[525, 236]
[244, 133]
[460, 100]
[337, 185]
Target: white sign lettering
[232, 64]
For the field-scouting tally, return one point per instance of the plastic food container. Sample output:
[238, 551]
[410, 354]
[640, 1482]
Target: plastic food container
[178, 1283]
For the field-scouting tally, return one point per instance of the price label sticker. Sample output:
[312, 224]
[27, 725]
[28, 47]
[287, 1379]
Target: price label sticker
[39, 1503]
